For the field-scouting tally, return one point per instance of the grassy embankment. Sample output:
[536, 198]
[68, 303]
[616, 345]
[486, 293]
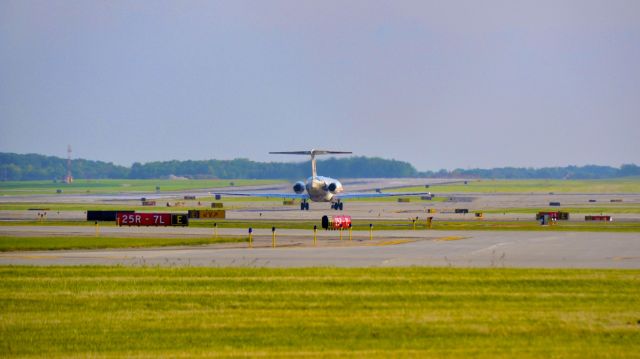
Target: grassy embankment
[614, 208]
[23, 243]
[363, 225]
[621, 185]
[105, 186]
[229, 203]
[411, 312]
[625, 185]
[237, 203]
[436, 225]
[611, 186]
[618, 185]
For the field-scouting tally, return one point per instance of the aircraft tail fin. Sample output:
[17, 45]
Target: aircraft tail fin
[313, 154]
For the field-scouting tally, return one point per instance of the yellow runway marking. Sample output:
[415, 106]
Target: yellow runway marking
[450, 238]
[624, 258]
[393, 242]
[62, 256]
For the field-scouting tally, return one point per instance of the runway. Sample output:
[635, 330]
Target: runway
[389, 248]
[551, 249]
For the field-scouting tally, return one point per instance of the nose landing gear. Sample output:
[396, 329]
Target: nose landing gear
[337, 206]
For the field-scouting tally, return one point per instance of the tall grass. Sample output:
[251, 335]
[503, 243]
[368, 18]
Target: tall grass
[411, 312]
[118, 186]
[618, 185]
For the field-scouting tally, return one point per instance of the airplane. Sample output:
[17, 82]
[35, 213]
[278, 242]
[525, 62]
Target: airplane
[318, 188]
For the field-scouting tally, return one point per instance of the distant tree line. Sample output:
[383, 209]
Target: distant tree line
[16, 167]
[244, 168]
[568, 172]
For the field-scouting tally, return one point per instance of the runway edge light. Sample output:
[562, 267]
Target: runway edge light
[273, 237]
[315, 234]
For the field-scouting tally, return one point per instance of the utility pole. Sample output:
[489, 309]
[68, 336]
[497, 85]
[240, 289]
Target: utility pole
[69, 178]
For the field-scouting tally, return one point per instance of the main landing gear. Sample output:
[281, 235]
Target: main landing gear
[304, 205]
[337, 206]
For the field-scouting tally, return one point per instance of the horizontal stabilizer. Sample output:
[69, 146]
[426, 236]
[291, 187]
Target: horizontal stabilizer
[312, 152]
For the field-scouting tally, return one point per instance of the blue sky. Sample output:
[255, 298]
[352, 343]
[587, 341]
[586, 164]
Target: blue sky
[441, 84]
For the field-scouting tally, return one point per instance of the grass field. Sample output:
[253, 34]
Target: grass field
[587, 209]
[621, 185]
[238, 204]
[110, 312]
[231, 203]
[21, 243]
[436, 225]
[469, 224]
[119, 186]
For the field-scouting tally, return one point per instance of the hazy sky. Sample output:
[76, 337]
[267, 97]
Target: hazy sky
[441, 84]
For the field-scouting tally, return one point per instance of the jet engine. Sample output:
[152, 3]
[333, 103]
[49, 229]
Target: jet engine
[332, 187]
[298, 187]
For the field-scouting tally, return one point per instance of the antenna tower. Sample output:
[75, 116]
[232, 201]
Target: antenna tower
[69, 178]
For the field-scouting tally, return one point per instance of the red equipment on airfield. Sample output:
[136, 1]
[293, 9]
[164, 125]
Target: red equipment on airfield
[598, 218]
[336, 222]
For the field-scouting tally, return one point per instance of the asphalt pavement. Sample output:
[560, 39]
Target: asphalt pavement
[294, 248]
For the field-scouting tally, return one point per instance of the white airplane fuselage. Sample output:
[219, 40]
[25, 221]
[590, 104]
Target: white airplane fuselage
[319, 188]
[323, 189]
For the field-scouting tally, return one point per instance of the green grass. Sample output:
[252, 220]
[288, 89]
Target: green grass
[19, 243]
[605, 209]
[530, 225]
[113, 312]
[468, 223]
[104, 186]
[621, 185]
[231, 203]
[54, 207]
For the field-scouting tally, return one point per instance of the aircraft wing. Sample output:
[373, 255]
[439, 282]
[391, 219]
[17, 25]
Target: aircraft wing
[380, 195]
[263, 195]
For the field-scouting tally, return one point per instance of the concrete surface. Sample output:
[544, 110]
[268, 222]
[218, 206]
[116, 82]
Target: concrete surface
[389, 248]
